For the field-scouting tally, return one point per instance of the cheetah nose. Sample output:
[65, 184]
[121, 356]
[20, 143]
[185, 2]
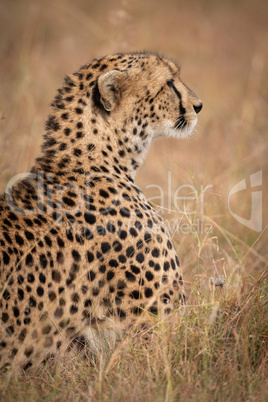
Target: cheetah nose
[198, 108]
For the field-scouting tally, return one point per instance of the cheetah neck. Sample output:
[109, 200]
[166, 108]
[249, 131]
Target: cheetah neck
[88, 145]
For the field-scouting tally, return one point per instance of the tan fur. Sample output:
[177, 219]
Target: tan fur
[82, 252]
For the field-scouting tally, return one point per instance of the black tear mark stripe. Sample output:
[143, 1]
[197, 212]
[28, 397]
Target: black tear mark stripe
[172, 86]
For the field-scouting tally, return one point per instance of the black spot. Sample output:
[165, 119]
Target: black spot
[103, 67]
[101, 230]
[60, 242]
[7, 237]
[121, 313]
[122, 234]
[77, 152]
[166, 266]
[30, 278]
[40, 291]
[60, 257]
[56, 276]
[89, 218]
[90, 256]
[29, 235]
[138, 225]
[130, 277]
[121, 285]
[12, 216]
[110, 275]
[90, 147]
[52, 124]
[43, 261]
[122, 258]
[67, 131]
[16, 311]
[137, 310]
[96, 65]
[42, 278]
[62, 146]
[68, 201]
[112, 211]
[100, 256]
[52, 296]
[27, 321]
[147, 237]
[91, 276]
[20, 279]
[157, 267]
[125, 212]
[5, 317]
[29, 260]
[130, 252]
[76, 256]
[105, 247]
[6, 258]
[113, 263]
[87, 303]
[48, 241]
[73, 309]
[133, 232]
[58, 312]
[169, 245]
[149, 276]
[104, 194]
[19, 240]
[102, 269]
[20, 294]
[155, 252]
[69, 235]
[135, 269]
[117, 246]
[140, 257]
[148, 292]
[95, 291]
[135, 294]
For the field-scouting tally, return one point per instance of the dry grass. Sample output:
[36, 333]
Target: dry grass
[218, 350]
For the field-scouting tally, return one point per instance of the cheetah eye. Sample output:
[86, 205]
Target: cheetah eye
[171, 83]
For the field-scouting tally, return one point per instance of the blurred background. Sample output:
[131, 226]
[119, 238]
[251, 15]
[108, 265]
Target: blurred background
[222, 49]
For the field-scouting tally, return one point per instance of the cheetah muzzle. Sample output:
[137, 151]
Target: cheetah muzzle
[82, 252]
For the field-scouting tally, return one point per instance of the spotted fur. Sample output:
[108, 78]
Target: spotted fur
[82, 252]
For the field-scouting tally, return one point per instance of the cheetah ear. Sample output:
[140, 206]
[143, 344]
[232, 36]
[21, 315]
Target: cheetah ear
[110, 87]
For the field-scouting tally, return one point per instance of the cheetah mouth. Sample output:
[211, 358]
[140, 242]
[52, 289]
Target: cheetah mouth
[180, 123]
[185, 126]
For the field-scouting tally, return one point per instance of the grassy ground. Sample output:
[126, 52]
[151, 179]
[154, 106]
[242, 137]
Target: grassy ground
[218, 350]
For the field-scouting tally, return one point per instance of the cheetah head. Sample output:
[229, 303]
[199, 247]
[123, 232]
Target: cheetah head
[113, 108]
[147, 97]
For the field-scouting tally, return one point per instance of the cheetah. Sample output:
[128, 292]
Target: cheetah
[82, 252]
